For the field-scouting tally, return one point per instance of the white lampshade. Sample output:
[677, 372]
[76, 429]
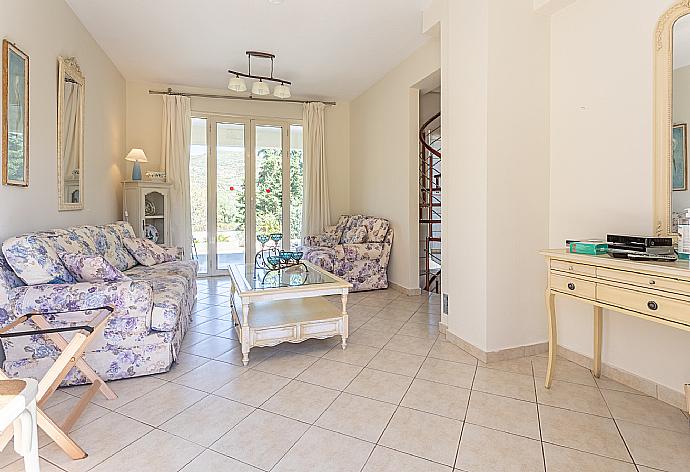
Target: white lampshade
[237, 84]
[136, 155]
[260, 88]
[281, 91]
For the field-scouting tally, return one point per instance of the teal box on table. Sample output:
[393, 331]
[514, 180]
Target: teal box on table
[589, 247]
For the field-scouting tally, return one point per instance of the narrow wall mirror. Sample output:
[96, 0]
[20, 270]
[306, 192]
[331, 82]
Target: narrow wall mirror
[70, 135]
[680, 114]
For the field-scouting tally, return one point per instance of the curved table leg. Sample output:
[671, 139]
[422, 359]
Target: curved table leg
[553, 336]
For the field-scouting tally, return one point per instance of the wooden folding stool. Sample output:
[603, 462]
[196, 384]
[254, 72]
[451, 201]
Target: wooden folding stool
[71, 355]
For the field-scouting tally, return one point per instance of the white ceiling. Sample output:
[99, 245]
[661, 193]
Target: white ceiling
[329, 49]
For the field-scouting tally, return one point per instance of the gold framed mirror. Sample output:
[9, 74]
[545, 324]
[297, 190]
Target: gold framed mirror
[671, 118]
[70, 135]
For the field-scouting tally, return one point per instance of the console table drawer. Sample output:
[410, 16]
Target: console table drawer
[574, 268]
[646, 303]
[573, 286]
[649, 281]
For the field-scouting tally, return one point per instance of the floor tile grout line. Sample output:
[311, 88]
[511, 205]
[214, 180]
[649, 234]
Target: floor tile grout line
[398, 405]
[620, 433]
[464, 420]
[207, 394]
[536, 398]
[126, 446]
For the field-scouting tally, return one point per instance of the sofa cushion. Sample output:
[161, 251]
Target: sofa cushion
[35, 261]
[350, 228]
[355, 236]
[74, 241]
[185, 269]
[147, 252]
[109, 244]
[91, 268]
[377, 228]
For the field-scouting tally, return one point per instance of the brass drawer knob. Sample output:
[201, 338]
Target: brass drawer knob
[571, 286]
[652, 282]
[652, 305]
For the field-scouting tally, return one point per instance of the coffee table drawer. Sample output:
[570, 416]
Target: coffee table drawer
[318, 328]
[274, 335]
[650, 304]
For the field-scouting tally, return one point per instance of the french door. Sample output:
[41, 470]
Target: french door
[246, 178]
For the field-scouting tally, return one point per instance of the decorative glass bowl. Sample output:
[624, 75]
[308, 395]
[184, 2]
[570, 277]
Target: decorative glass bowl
[263, 238]
[276, 237]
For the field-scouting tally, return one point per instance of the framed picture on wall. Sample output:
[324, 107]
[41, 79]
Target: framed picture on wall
[15, 116]
[680, 157]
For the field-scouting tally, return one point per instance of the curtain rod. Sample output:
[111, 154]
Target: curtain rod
[231, 97]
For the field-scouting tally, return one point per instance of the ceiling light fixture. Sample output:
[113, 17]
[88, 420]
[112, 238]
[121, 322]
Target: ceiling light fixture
[281, 91]
[275, 2]
[237, 83]
[260, 88]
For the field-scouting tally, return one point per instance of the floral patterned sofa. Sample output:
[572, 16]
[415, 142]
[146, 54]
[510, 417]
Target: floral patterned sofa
[152, 308]
[357, 249]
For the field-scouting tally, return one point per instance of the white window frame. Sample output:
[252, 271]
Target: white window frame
[250, 124]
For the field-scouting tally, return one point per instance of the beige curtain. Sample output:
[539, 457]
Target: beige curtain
[316, 212]
[177, 131]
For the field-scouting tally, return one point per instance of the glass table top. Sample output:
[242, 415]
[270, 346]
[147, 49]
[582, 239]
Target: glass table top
[297, 276]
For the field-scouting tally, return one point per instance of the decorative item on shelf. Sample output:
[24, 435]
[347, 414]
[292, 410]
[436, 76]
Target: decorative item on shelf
[237, 83]
[151, 233]
[149, 208]
[136, 156]
[272, 258]
[156, 176]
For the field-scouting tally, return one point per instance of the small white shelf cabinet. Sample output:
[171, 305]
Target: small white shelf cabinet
[136, 195]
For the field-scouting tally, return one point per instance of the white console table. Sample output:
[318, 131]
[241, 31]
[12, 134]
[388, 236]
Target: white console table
[654, 291]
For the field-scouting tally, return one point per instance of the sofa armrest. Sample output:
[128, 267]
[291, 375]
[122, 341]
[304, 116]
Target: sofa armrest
[175, 251]
[129, 299]
[321, 240]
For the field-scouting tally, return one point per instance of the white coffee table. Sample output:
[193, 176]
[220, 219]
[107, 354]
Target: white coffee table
[270, 308]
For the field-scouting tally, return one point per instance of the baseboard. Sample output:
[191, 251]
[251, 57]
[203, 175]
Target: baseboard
[646, 386]
[496, 356]
[661, 392]
[407, 291]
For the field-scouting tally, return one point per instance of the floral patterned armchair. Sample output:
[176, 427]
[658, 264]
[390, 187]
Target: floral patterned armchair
[357, 249]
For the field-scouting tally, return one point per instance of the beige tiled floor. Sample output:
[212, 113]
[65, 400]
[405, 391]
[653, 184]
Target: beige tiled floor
[398, 399]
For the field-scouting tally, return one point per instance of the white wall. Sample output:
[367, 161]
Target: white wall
[601, 165]
[144, 126]
[495, 80]
[384, 150]
[44, 31]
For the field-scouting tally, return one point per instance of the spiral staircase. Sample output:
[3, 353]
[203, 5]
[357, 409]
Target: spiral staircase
[430, 204]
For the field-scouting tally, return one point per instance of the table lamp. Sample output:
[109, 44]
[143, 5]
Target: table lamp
[136, 156]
